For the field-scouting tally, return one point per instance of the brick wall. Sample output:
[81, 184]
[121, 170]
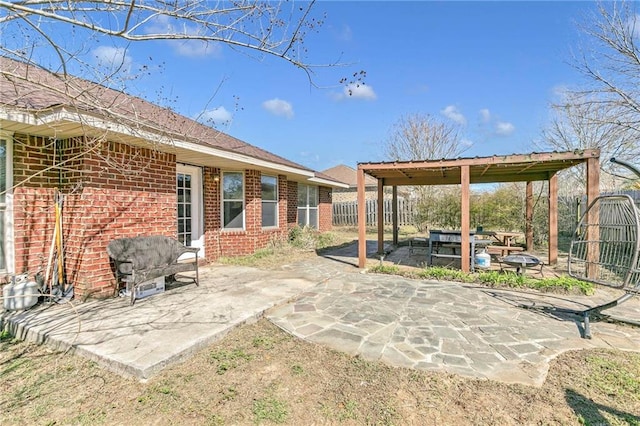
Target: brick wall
[292, 207]
[114, 191]
[325, 210]
[219, 242]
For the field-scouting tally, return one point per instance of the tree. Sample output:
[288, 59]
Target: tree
[604, 112]
[423, 137]
[60, 35]
[266, 28]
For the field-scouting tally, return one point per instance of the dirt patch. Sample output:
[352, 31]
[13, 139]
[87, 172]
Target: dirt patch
[260, 375]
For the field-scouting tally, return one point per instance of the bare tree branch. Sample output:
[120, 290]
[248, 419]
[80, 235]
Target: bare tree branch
[422, 137]
[252, 25]
[604, 112]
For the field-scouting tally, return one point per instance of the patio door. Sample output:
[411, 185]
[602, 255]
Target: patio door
[6, 208]
[190, 229]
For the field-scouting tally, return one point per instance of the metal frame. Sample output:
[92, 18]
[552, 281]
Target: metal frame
[605, 249]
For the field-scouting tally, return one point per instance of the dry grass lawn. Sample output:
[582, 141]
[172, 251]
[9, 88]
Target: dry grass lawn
[259, 374]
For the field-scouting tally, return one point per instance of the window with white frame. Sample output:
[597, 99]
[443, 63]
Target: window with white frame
[6, 228]
[269, 186]
[308, 206]
[233, 200]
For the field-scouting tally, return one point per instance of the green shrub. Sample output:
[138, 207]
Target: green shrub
[386, 269]
[442, 273]
[563, 284]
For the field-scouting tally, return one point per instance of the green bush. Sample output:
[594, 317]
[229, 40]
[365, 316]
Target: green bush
[563, 284]
[309, 238]
[385, 269]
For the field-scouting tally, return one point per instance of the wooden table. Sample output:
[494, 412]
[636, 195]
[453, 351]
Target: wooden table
[506, 241]
[507, 238]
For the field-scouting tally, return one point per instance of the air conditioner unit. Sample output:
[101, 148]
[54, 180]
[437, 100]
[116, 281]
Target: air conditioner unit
[148, 288]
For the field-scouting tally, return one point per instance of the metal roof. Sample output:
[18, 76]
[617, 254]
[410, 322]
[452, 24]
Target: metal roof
[497, 168]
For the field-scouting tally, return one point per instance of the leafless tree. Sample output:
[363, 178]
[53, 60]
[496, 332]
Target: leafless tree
[276, 28]
[423, 137]
[59, 35]
[604, 112]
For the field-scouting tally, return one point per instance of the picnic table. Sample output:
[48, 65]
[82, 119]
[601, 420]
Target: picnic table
[505, 243]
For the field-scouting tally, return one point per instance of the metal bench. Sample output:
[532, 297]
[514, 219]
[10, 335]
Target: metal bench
[144, 258]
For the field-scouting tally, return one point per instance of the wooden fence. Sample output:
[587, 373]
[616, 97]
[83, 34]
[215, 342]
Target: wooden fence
[572, 208]
[346, 213]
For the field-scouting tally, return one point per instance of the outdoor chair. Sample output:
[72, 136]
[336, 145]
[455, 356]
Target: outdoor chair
[605, 250]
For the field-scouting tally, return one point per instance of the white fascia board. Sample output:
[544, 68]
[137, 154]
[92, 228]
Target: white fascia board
[327, 182]
[228, 155]
[62, 114]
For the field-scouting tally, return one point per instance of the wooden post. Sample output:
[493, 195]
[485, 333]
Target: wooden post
[394, 214]
[380, 217]
[553, 219]
[362, 221]
[593, 219]
[529, 217]
[465, 251]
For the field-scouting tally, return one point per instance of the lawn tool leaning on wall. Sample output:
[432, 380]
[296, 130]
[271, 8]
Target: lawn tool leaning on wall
[605, 249]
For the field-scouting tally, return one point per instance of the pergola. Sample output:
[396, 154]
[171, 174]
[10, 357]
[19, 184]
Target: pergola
[528, 168]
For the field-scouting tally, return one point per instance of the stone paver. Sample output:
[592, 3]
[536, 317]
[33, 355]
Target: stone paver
[464, 329]
[453, 327]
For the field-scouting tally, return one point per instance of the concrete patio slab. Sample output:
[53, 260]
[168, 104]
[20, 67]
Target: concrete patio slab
[140, 340]
[475, 331]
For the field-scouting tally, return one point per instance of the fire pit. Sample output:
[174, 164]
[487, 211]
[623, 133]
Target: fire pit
[521, 262]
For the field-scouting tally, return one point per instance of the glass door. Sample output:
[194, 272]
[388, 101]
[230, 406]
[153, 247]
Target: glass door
[6, 226]
[189, 203]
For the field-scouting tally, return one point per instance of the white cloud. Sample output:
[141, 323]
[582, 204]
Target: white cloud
[216, 116]
[278, 107]
[485, 115]
[113, 58]
[452, 113]
[345, 33]
[358, 91]
[191, 48]
[194, 48]
[504, 128]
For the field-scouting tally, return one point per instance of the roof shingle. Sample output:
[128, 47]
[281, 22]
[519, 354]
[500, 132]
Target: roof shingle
[35, 89]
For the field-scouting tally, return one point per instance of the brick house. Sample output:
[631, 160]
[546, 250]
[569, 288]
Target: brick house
[349, 176]
[126, 168]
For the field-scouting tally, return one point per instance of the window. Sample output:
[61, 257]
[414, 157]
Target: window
[308, 206]
[6, 228]
[269, 186]
[233, 200]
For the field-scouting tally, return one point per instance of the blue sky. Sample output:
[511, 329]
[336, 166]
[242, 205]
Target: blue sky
[493, 67]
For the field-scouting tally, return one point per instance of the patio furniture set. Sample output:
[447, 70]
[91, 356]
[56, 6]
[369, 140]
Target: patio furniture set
[500, 245]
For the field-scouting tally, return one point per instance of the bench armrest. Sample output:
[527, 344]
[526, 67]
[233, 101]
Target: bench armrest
[124, 267]
[192, 250]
